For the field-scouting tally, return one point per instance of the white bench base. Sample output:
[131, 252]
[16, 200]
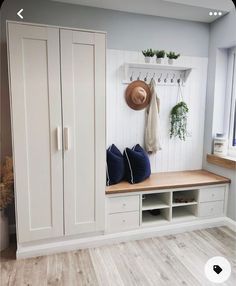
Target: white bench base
[51, 247]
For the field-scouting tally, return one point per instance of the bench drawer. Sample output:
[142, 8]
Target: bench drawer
[123, 221]
[211, 209]
[212, 194]
[123, 204]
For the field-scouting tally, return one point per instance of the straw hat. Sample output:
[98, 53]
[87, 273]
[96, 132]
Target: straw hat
[138, 95]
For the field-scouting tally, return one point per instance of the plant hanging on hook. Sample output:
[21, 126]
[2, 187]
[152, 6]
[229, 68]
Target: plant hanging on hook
[178, 118]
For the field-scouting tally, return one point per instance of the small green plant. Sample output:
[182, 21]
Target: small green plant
[172, 55]
[178, 120]
[160, 54]
[148, 53]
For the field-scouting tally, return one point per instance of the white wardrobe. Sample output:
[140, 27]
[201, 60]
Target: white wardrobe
[57, 82]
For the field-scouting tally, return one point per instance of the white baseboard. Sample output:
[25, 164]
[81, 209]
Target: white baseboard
[95, 241]
[230, 223]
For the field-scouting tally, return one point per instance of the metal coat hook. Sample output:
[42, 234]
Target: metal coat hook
[153, 76]
[131, 77]
[165, 80]
[145, 79]
[172, 80]
[179, 79]
[138, 78]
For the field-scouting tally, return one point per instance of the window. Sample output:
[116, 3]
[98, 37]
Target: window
[232, 90]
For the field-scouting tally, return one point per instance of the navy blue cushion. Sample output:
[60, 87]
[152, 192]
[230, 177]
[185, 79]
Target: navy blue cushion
[137, 164]
[115, 165]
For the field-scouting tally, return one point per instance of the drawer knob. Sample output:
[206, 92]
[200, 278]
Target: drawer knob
[212, 209]
[123, 220]
[124, 205]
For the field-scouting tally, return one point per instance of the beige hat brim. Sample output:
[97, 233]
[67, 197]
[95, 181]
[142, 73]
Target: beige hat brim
[128, 97]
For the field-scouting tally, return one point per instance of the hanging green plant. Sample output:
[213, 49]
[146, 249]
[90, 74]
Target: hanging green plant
[178, 120]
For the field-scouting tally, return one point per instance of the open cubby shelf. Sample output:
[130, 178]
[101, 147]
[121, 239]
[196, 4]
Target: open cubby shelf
[181, 198]
[155, 201]
[148, 218]
[173, 206]
[183, 213]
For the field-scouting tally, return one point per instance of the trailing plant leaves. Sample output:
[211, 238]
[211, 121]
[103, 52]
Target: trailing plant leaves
[178, 120]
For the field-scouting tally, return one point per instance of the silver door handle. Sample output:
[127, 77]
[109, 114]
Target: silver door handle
[66, 138]
[59, 143]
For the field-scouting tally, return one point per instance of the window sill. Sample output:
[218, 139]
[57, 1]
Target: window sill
[224, 162]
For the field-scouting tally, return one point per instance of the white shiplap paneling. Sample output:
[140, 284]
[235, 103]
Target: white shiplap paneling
[125, 127]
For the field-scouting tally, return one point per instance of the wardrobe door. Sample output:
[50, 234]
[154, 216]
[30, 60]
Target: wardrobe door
[83, 97]
[34, 72]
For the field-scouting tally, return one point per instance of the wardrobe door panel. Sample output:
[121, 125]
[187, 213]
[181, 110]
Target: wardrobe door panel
[83, 93]
[34, 65]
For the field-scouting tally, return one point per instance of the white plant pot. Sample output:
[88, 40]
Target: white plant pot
[170, 61]
[158, 60]
[147, 60]
[4, 233]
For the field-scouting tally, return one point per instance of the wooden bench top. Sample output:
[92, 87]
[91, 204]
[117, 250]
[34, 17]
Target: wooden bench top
[170, 180]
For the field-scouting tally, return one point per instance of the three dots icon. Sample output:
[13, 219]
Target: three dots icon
[211, 13]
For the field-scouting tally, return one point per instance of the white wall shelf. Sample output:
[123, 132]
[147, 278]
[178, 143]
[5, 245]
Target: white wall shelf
[165, 74]
[154, 66]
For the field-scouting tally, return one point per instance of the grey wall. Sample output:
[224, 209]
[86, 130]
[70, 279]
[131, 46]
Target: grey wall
[125, 31]
[222, 35]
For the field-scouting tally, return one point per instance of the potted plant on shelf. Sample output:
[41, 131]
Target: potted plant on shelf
[6, 198]
[159, 56]
[171, 57]
[148, 54]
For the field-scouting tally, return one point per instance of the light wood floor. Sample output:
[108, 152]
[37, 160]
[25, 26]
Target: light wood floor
[169, 260]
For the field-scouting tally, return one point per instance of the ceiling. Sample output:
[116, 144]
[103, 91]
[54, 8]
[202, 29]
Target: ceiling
[192, 10]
